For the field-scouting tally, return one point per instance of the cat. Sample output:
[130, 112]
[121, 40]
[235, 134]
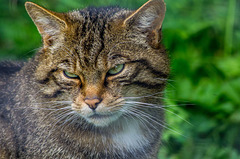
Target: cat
[93, 91]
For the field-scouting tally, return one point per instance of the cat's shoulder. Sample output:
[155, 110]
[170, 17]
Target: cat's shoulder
[7, 69]
[10, 67]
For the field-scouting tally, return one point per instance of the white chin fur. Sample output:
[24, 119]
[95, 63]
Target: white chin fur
[103, 121]
[131, 138]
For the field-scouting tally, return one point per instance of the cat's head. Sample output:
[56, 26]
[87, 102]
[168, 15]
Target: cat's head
[100, 58]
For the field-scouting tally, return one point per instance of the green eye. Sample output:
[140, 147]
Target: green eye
[70, 75]
[117, 69]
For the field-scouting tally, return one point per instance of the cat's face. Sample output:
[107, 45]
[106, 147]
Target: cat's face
[100, 61]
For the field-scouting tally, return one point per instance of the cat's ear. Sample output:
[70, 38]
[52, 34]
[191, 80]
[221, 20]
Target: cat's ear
[48, 23]
[148, 19]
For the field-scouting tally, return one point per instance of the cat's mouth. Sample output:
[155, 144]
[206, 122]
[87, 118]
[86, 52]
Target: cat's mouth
[103, 119]
[100, 116]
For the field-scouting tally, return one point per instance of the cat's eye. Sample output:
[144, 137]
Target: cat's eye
[116, 70]
[70, 75]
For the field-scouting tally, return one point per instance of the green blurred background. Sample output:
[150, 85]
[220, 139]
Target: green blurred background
[203, 94]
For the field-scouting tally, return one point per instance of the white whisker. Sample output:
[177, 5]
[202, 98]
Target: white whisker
[153, 119]
[149, 105]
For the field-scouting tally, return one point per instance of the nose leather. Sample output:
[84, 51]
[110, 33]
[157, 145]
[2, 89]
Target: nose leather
[92, 102]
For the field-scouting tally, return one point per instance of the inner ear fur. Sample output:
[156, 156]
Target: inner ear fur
[48, 23]
[148, 18]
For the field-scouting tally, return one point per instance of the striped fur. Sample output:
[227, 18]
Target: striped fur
[50, 115]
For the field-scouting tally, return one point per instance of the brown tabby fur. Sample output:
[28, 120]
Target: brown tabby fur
[43, 113]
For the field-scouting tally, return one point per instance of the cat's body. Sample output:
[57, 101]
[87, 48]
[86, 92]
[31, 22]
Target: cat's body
[93, 91]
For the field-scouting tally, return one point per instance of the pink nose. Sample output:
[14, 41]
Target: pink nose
[92, 102]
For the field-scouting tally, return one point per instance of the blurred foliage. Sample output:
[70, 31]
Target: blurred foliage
[203, 95]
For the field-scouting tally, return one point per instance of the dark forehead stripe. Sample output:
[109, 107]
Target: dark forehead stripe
[151, 68]
[92, 33]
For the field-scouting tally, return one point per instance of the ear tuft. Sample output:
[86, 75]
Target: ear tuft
[148, 18]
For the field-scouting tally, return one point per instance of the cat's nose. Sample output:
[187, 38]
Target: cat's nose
[92, 102]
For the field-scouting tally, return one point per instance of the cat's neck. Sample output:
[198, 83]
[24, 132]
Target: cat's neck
[132, 137]
[129, 138]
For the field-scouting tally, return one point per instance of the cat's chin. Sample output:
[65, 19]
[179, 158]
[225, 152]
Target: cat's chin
[103, 120]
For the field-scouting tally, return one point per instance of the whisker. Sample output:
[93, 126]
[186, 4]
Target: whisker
[47, 108]
[155, 106]
[34, 95]
[178, 116]
[61, 102]
[59, 118]
[52, 112]
[151, 118]
[148, 114]
[160, 107]
[68, 119]
[141, 119]
[34, 108]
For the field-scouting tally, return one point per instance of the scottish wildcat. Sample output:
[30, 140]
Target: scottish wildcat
[93, 91]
